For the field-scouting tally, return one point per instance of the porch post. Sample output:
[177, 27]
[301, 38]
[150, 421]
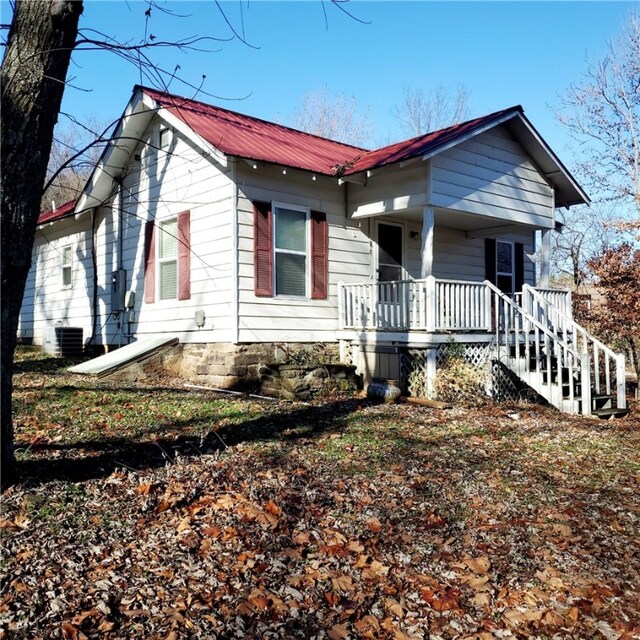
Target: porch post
[545, 252]
[427, 242]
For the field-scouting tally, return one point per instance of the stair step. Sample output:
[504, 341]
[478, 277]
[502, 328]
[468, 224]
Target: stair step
[602, 401]
[604, 414]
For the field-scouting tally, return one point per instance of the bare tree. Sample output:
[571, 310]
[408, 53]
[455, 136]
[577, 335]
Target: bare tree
[424, 111]
[42, 36]
[75, 151]
[586, 231]
[602, 114]
[336, 117]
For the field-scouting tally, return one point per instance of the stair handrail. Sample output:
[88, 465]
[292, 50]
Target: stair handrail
[530, 318]
[570, 325]
[582, 359]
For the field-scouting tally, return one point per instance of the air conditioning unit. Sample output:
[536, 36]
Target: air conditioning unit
[63, 342]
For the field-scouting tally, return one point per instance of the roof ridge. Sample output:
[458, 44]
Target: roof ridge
[250, 117]
[487, 117]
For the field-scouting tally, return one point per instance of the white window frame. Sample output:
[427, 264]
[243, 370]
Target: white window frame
[513, 262]
[306, 253]
[169, 137]
[67, 267]
[160, 260]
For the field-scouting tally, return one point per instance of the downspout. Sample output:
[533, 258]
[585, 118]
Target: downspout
[235, 297]
[94, 267]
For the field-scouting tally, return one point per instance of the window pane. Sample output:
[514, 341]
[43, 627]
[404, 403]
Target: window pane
[66, 275]
[165, 138]
[291, 229]
[390, 243]
[504, 261]
[290, 274]
[66, 255]
[168, 280]
[169, 239]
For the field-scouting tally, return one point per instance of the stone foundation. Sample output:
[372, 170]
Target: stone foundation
[237, 367]
[297, 382]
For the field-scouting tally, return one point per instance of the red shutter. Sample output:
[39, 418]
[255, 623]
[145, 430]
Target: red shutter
[262, 249]
[490, 260]
[149, 262]
[319, 255]
[184, 255]
[518, 267]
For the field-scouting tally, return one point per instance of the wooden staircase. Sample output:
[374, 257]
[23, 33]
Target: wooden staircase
[542, 345]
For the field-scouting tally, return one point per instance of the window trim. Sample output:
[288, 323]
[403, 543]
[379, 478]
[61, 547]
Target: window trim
[67, 266]
[160, 260]
[307, 252]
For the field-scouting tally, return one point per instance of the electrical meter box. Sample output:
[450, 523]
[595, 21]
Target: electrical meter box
[118, 290]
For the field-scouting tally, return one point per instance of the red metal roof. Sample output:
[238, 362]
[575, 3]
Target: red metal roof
[59, 212]
[247, 137]
[419, 146]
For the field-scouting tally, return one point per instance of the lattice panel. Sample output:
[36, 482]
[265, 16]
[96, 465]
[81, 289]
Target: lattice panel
[507, 387]
[475, 353]
[413, 364]
[413, 372]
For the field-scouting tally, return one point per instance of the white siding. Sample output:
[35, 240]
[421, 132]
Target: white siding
[456, 257]
[492, 175]
[159, 186]
[47, 302]
[300, 319]
[391, 189]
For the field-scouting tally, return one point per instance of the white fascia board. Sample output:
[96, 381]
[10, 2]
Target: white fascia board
[471, 134]
[185, 130]
[115, 154]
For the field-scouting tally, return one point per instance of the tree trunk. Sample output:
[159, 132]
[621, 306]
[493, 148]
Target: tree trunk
[34, 69]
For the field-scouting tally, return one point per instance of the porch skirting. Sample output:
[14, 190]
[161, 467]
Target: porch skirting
[415, 365]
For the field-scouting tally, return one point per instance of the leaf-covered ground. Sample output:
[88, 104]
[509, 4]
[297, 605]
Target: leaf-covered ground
[160, 513]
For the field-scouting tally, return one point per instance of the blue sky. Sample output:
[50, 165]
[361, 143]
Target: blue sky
[505, 53]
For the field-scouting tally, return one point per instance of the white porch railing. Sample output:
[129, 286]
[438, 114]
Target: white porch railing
[416, 305]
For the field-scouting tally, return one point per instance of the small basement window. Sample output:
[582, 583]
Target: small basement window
[67, 256]
[168, 259]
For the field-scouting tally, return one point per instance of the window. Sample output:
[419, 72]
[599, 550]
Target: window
[66, 266]
[290, 251]
[504, 266]
[165, 138]
[168, 259]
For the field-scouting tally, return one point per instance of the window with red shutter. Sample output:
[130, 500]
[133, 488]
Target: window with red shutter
[290, 251]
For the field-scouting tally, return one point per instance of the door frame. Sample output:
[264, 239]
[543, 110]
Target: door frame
[376, 254]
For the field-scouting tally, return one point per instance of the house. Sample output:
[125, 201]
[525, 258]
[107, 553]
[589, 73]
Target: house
[241, 236]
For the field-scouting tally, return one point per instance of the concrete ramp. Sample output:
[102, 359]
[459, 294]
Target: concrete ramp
[124, 356]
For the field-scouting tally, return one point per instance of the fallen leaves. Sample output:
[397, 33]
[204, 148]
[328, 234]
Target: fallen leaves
[411, 524]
